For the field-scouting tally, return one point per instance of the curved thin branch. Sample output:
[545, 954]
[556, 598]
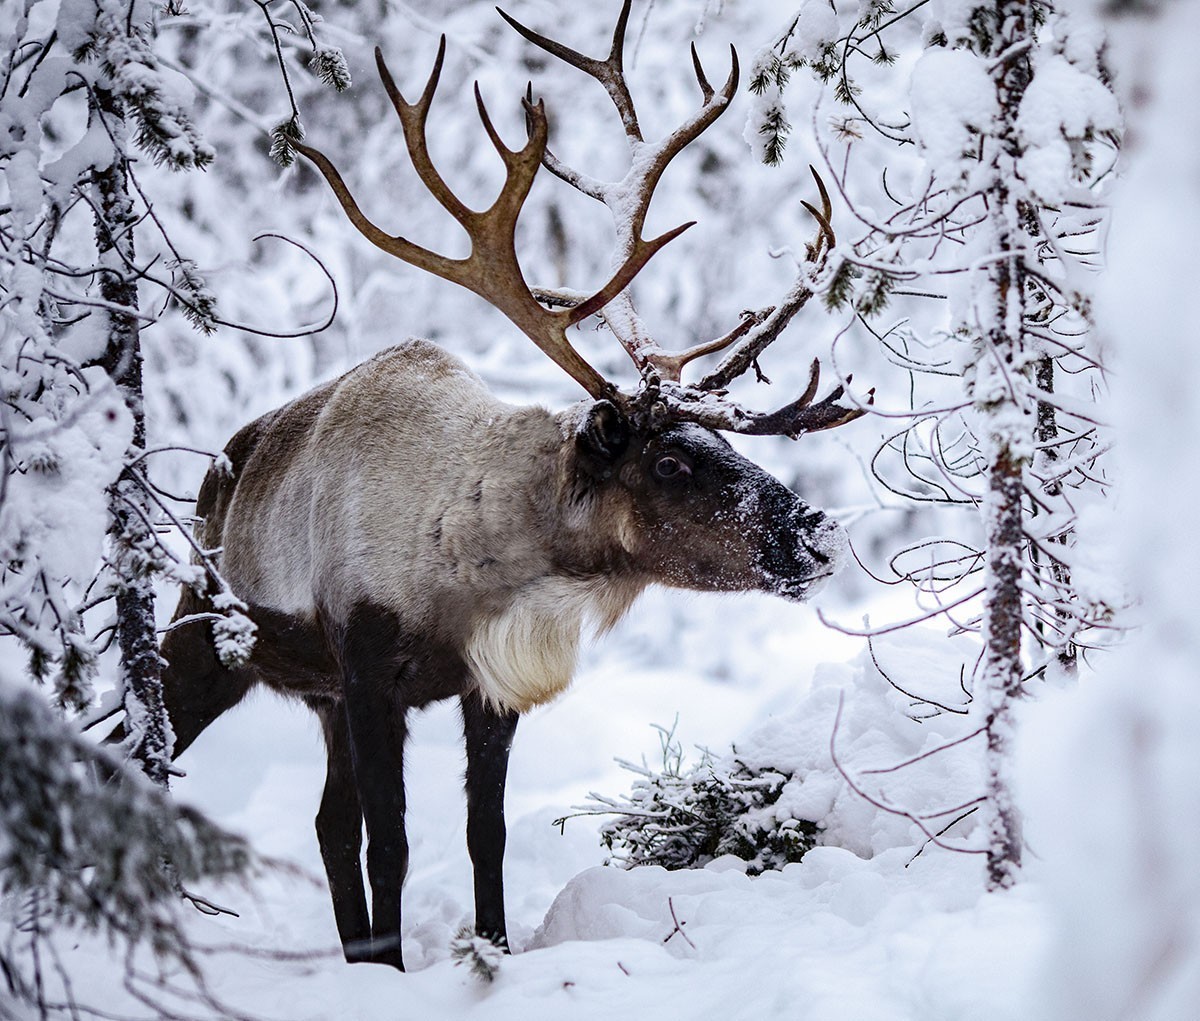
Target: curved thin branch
[303, 331]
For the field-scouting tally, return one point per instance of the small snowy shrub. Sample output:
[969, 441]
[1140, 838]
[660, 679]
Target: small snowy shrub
[478, 953]
[684, 818]
[883, 752]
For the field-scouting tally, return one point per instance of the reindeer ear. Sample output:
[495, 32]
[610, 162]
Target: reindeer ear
[603, 437]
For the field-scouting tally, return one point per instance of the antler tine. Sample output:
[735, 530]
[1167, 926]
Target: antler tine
[531, 120]
[616, 52]
[706, 90]
[823, 218]
[642, 252]
[609, 72]
[412, 119]
[589, 186]
[395, 245]
[711, 108]
[670, 364]
[826, 205]
[814, 380]
[794, 420]
[521, 165]
[802, 416]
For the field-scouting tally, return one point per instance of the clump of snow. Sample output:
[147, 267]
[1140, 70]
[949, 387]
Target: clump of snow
[902, 701]
[55, 506]
[233, 633]
[953, 100]
[863, 762]
[766, 120]
[816, 28]
[1063, 108]
[951, 18]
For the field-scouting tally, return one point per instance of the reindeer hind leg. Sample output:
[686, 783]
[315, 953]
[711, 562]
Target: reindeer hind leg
[339, 834]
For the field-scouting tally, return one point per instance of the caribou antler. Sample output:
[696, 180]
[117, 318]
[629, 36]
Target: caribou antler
[491, 270]
[628, 201]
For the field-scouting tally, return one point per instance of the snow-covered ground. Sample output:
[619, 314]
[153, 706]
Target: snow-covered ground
[874, 925]
[859, 930]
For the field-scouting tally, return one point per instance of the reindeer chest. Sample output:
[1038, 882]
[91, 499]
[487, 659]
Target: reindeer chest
[525, 654]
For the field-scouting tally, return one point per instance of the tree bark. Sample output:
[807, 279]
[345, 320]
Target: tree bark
[133, 539]
[1009, 430]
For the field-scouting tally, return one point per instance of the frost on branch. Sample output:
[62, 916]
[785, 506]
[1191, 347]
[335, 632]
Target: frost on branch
[807, 39]
[282, 137]
[157, 98]
[233, 632]
[198, 303]
[329, 65]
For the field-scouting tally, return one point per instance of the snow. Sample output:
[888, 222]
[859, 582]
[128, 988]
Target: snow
[1061, 107]
[1118, 826]
[57, 504]
[816, 27]
[596, 940]
[953, 99]
[766, 108]
[859, 929]
[877, 922]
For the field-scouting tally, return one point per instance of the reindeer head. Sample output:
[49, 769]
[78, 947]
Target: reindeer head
[690, 511]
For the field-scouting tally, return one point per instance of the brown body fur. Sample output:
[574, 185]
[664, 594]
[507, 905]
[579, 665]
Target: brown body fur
[400, 536]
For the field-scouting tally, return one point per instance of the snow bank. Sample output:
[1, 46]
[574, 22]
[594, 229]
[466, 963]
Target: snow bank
[862, 928]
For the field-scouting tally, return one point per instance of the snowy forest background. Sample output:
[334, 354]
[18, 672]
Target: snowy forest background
[1001, 831]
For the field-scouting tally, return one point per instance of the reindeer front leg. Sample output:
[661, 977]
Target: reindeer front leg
[489, 736]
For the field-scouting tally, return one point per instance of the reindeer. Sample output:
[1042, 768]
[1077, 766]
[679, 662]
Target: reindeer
[401, 536]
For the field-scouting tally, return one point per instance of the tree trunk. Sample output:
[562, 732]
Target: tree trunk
[1009, 431]
[134, 542]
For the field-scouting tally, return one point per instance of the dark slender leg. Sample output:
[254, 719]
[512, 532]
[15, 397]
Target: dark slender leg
[339, 833]
[489, 736]
[377, 729]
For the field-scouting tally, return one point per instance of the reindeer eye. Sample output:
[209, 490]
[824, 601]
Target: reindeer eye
[670, 467]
